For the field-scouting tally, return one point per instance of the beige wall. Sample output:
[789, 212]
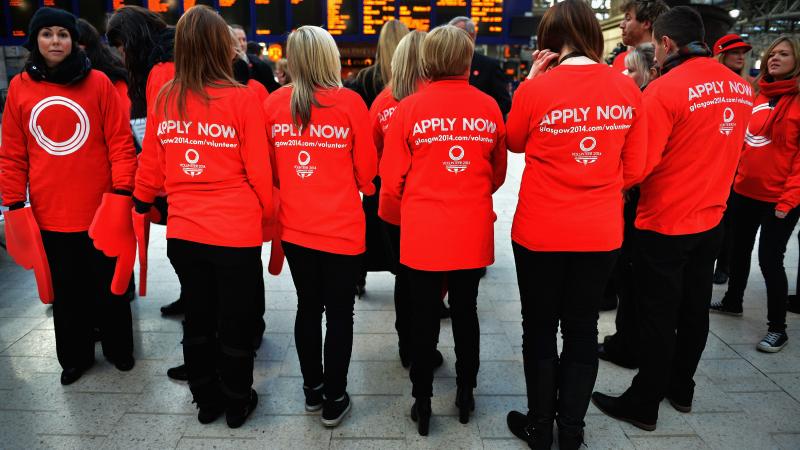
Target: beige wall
[612, 34]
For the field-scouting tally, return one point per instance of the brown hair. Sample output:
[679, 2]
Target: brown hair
[203, 54]
[571, 23]
[793, 42]
[447, 52]
[645, 10]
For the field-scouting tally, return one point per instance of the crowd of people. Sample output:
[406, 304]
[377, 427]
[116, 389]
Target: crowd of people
[643, 193]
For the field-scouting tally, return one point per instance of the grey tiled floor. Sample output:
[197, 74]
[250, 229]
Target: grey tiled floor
[744, 399]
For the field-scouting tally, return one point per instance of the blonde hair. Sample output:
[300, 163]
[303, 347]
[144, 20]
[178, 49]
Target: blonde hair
[407, 69]
[392, 33]
[795, 44]
[446, 52]
[314, 64]
[642, 57]
[283, 65]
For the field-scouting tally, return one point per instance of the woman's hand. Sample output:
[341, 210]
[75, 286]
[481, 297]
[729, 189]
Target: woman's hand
[541, 62]
[780, 214]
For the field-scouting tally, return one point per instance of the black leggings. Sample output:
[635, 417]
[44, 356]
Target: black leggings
[426, 299]
[81, 278]
[324, 282]
[222, 285]
[748, 215]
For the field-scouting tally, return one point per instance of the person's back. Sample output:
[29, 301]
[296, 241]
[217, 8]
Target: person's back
[585, 143]
[697, 116]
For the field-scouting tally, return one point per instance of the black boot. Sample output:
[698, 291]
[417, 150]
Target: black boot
[210, 402]
[465, 403]
[421, 413]
[173, 309]
[240, 409]
[541, 384]
[626, 409]
[575, 384]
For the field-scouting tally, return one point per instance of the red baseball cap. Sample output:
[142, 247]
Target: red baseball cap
[730, 42]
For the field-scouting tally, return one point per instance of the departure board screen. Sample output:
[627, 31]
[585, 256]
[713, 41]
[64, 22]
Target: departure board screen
[189, 3]
[447, 10]
[168, 10]
[21, 13]
[416, 14]
[488, 16]
[306, 12]
[270, 17]
[376, 13]
[236, 12]
[117, 4]
[61, 4]
[342, 17]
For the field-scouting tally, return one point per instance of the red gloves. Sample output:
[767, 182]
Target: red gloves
[271, 230]
[24, 242]
[112, 232]
[141, 228]
[276, 258]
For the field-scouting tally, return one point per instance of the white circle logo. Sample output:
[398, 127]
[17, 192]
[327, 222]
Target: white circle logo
[194, 158]
[454, 156]
[727, 116]
[588, 144]
[68, 146]
[301, 155]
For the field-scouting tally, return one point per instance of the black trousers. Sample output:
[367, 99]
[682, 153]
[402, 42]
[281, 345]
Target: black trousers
[561, 288]
[324, 283]
[402, 292]
[624, 344]
[426, 299]
[675, 276]
[748, 216]
[81, 278]
[378, 255]
[222, 285]
[726, 250]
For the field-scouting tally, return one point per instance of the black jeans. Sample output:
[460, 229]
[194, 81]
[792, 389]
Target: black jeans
[624, 344]
[726, 250]
[81, 278]
[324, 282]
[402, 294]
[675, 276]
[748, 216]
[426, 299]
[222, 285]
[565, 288]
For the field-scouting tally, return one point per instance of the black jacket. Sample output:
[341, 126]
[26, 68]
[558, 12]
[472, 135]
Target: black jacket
[486, 75]
[262, 72]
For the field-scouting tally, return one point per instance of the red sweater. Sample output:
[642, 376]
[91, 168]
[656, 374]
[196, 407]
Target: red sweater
[159, 75]
[380, 115]
[444, 155]
[71, 143]
[214, 166]
[619, 61]
[696, 115]
[582, 148]
[321, 169]
[769, 169]
[125, 102]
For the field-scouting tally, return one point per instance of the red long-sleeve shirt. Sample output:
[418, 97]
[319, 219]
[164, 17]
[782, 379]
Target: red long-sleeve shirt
[445, 155]
[380, 115]
[159, 75]
[213, 164]
[696, 115]
[125, 102]
[321, 169]
[582, 146]
[769, 169]
[70, 143]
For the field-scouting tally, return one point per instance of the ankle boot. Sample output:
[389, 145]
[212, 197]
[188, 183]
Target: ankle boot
[542, 401]
[421, 413]
[575, 384]
[465, 403]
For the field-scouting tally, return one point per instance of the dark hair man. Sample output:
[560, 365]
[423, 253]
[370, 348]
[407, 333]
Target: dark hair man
[637, 24]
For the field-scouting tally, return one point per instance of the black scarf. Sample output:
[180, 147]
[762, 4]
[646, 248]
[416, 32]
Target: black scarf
[73, 69]
[688, 51]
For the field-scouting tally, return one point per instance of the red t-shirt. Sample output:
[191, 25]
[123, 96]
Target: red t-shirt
[214, 166]
[444, 156]
[769, 169]
[71, 143]
[582, 147]
[696, 115]
[321, 169]
[380, 115]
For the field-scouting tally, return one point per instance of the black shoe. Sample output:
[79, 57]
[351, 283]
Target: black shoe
[720, 277]
[178, 373]
[209, 412]
[540, 438]
[123, 364]
[421, 413]
[773, 342]
[313, 398]
[173, 309]
[570, 440]
[333, 411]
[617, 408]
[465, 403]
[72, 374]
[238, 412]
[605, 355]
[721, 308]
[681, 399]
[438, 359]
